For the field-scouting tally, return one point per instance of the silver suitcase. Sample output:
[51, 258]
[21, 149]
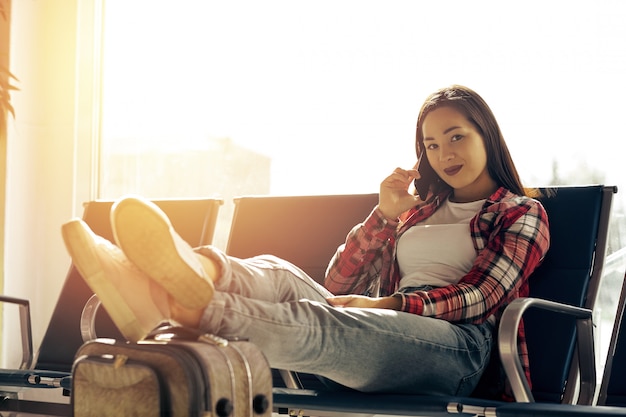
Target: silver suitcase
[174, 372]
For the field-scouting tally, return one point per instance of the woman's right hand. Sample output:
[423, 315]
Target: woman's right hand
[394, 197]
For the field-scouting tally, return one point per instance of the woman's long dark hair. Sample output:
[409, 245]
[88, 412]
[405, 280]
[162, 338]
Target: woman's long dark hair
[499, 163]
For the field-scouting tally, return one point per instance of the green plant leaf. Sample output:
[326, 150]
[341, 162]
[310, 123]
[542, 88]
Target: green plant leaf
[5, 90]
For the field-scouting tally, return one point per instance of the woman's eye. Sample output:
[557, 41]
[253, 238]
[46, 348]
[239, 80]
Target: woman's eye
[456, 138]
[431, 146]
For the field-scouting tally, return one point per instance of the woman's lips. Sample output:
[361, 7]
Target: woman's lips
[453, 169]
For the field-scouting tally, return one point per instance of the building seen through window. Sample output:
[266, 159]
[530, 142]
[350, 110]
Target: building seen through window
[280, 97]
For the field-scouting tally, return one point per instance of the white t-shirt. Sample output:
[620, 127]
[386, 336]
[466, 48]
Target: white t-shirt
[439, 250]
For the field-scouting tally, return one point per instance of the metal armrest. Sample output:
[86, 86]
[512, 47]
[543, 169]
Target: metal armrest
[88, 318]
[290, 379]
[507, 342]
[25, 329]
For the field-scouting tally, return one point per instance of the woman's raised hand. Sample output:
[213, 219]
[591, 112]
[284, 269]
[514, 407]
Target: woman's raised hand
[395, 198]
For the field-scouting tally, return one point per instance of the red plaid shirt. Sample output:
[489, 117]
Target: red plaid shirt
[510, 235]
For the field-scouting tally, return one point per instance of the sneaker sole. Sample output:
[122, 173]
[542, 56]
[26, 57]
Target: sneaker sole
[148, 239]
[79, 241]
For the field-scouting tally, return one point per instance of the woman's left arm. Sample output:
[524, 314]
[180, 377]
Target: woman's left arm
[516, 245]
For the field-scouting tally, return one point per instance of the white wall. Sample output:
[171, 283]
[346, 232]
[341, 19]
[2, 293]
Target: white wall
[49, 156]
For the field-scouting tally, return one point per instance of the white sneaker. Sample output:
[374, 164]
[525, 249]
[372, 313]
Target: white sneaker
[145, 234]
[135, 303]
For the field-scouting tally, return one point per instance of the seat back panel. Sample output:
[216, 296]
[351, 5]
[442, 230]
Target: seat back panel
[193, 219]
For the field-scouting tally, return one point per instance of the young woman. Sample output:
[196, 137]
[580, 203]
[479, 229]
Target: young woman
[410, 302]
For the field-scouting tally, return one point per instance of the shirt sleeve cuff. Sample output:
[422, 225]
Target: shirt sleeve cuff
[411, 303]
[377, 221]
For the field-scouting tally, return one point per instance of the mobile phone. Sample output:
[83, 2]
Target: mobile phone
[427, 176]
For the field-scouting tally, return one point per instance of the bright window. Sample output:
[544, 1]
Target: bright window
[205, 98]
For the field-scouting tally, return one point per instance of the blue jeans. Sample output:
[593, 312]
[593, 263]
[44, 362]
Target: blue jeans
[284, 312]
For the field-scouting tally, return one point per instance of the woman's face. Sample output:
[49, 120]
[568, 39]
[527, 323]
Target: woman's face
[457, 153]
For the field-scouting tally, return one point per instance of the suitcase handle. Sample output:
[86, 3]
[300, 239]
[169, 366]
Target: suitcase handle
[169, 332]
